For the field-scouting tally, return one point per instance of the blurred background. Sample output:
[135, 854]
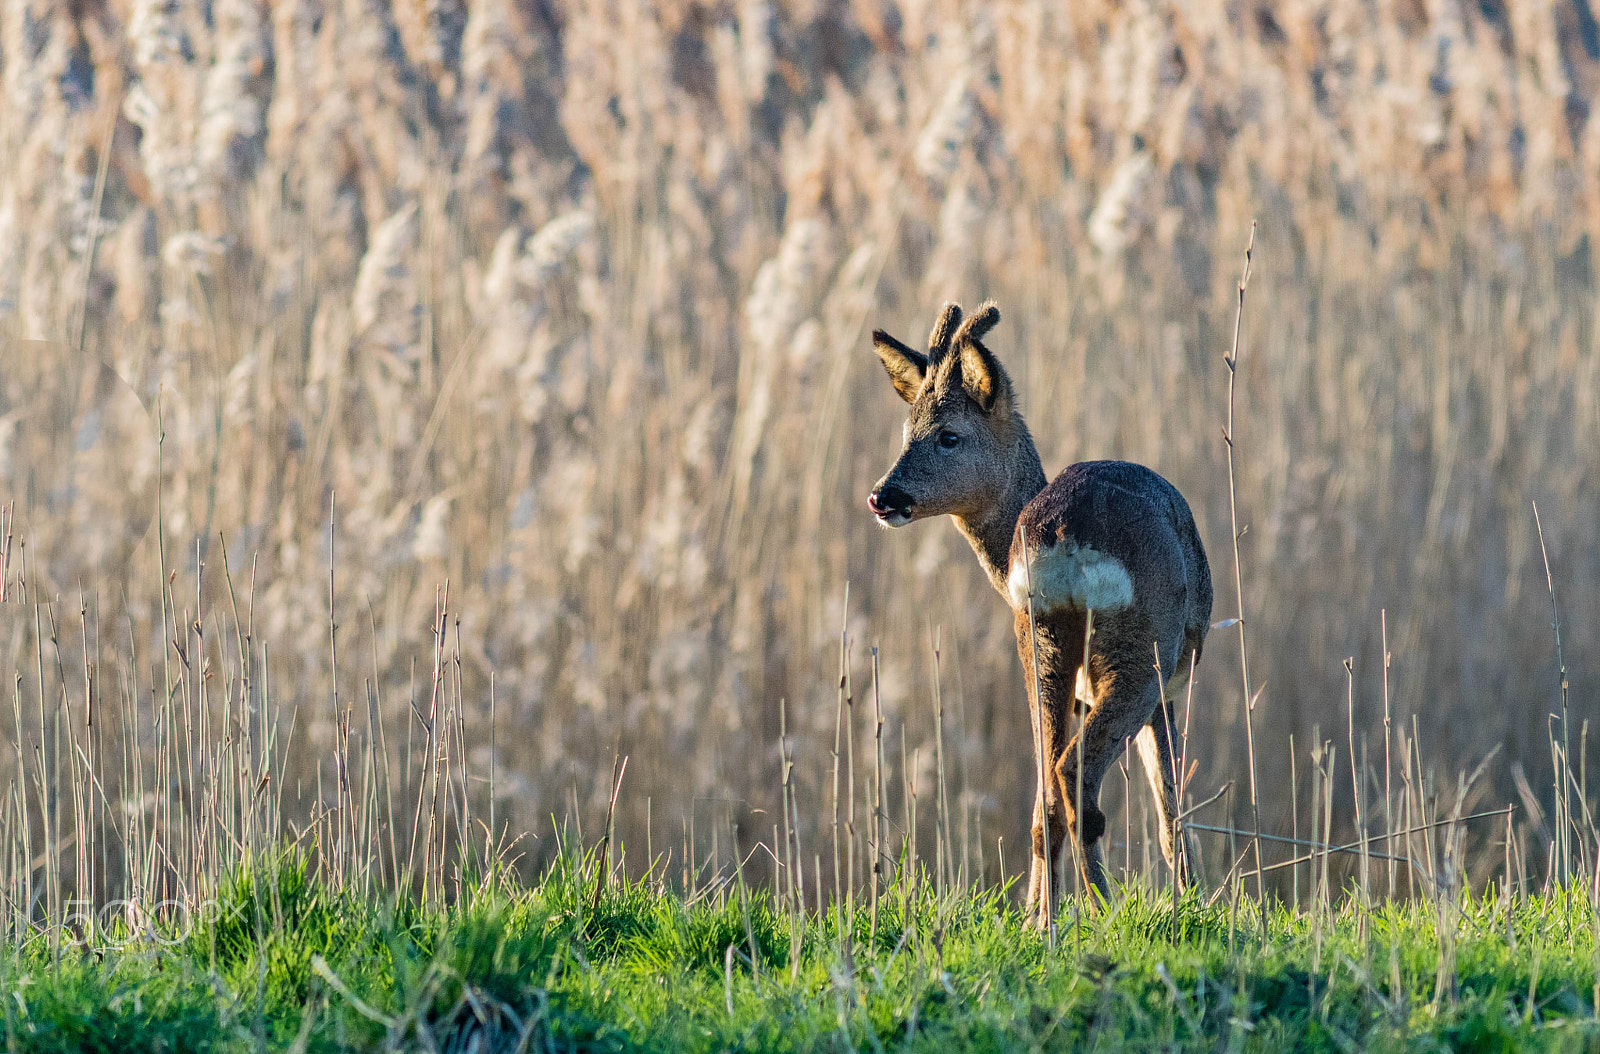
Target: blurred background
[568, 305]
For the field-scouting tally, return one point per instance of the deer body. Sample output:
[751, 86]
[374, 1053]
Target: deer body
[1106, 537]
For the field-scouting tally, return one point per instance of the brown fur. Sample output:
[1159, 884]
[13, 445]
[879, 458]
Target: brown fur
[968, 454]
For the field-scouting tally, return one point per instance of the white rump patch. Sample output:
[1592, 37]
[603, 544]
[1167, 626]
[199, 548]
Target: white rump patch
[1067, 575]
[1083, 689]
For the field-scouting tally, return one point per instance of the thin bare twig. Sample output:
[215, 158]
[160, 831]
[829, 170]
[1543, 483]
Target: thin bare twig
[1232, 361]
[1046, 904]
[619, 768]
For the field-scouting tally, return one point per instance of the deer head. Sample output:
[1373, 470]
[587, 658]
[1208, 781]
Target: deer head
[961, 434]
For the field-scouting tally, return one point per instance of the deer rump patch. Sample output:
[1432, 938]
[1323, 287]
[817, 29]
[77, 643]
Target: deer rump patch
[1069, 575]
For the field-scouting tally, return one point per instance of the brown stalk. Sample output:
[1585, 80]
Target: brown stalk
[1232, 361]
[1042, 751]
[1563, 799]
[619, 768]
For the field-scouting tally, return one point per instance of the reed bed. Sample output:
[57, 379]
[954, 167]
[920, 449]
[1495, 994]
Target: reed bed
[407, 411]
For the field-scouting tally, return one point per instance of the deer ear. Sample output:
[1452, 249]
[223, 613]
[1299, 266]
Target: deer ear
[982, 377]
[907, 368]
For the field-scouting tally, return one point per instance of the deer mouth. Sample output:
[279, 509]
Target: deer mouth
[893, 514]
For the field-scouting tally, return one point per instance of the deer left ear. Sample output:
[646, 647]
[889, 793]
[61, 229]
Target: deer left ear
[907, 368]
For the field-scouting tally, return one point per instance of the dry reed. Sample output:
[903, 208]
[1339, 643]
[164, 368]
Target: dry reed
[567, 311]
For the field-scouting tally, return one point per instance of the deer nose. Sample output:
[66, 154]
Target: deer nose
[888, 499]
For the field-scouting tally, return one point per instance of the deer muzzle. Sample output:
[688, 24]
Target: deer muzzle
[891, 505]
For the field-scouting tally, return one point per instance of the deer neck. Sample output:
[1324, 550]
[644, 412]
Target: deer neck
[990, 533]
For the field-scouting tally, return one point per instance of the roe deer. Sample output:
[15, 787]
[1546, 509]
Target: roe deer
[1107, 536]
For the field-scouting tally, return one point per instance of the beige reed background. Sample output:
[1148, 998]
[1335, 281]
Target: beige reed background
[567, 304]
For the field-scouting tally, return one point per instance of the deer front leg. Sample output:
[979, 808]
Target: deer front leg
[1125, 701]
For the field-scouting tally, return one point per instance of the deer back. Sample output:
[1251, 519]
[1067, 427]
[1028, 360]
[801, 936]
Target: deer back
[1119, 539]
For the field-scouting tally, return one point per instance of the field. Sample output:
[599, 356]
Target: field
[434, 439]
[286, 963]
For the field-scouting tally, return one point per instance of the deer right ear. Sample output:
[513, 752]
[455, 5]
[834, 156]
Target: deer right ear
[982, 375]
[907, 368]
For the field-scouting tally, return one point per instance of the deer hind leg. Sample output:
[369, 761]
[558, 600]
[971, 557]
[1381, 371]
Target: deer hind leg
[1156, 741]
[1125, 707]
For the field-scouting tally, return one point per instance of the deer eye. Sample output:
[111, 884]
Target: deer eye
[949, 440]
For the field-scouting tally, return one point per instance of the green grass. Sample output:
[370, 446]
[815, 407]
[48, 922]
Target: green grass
[288, 963]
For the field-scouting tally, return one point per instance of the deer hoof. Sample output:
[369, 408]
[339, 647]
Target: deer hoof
[1091, 825]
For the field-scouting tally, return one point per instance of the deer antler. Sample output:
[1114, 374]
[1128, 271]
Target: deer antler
[943, 330]
[977, 325]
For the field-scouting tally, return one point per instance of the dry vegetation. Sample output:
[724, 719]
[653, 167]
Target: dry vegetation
[566, 305]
